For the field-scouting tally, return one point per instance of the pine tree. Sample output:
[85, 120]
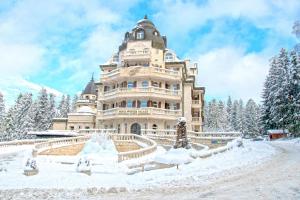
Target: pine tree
[280, 91]
[67, 106]
[74, 101]
[60, 108]
[268, 97]
[296, 31]
[240, 116]
[51, 110]
[251, 126]
[229, 113]
[222, 118]
[2, 113]
[294, 94]
[234, 115]
[41, 118]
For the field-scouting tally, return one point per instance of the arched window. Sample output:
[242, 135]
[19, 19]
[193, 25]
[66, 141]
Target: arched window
[140, 35]
[169, 57]
[145, 84]
[115, 58]
[126, 36]
[155, 33]
[154, 126]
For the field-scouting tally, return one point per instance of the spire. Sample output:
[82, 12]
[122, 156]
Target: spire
[145, 17]
[92, 77]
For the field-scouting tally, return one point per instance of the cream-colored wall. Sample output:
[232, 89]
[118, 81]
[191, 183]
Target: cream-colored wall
[59, 125]
[187, 100]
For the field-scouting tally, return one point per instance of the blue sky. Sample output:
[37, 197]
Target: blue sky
[58, 44]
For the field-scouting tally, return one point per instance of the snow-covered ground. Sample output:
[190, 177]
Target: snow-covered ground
[58, 175]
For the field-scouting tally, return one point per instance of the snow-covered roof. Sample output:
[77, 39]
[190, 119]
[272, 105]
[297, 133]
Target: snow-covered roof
[278, 131]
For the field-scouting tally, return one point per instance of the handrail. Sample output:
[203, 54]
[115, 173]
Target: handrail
[152, 68]
[151, 145]
[191, 133]
[152, 89]
[21, 142]
[140, 111]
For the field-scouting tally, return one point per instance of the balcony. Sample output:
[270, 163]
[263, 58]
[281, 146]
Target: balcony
[196, 121]
[154, 92]
[136, 55]
[140, 71]
[157, 113]
[196, 103]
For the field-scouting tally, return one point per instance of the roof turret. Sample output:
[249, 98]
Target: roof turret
[90, 88]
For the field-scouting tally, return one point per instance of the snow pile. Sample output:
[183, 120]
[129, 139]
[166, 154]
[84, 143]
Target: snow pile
[101, 151]
[175, 156]
[84, 165]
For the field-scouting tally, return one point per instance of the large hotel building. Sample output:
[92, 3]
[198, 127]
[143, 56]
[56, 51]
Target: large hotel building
[143, 86]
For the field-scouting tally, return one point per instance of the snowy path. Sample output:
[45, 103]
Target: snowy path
[276, 178]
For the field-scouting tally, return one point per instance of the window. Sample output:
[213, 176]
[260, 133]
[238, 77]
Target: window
[126, 36]
[154, 104]
[131, 84]
[143, 104]
[71, 127]
[87, 127]
[116, 58]
[146, 50]
[154, 126]
[140, 35]
[119, 128]
[145, 84]
[155, 33]
[129, 103]
[169, 57]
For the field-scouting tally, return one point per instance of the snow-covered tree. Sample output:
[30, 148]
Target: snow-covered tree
[51, 110]
[267, 96]
[280, 91]
[252, 126]
[229, 112]
[293, 115]
[59, 112]
[73, 106]
[240, 116]
[234, 115]
[296, 31]
[222, 118]
[2, 112]
[42, 117]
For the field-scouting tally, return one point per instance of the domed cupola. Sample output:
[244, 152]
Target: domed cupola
[90, 88]
[145, 30]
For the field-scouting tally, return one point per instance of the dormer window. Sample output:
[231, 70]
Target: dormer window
[140, 35]
[169, 57]
[126, 36]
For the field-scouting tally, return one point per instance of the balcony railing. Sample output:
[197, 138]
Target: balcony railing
[196, 119]
[155, 70]
[140, 111]
[151, 89]
[137, 55]
[197, 102]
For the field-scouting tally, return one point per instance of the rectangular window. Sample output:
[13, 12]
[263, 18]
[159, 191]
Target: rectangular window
[130, 85]
[143, 104]
[129, 103]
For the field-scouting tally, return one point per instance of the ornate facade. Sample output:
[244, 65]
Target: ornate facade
[143, 86]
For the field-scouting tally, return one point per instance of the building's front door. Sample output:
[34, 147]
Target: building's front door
[135, 129]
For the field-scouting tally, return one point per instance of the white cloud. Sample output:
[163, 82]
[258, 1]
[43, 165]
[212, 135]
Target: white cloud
[181, 17]
[12, 86]
[230, 71]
